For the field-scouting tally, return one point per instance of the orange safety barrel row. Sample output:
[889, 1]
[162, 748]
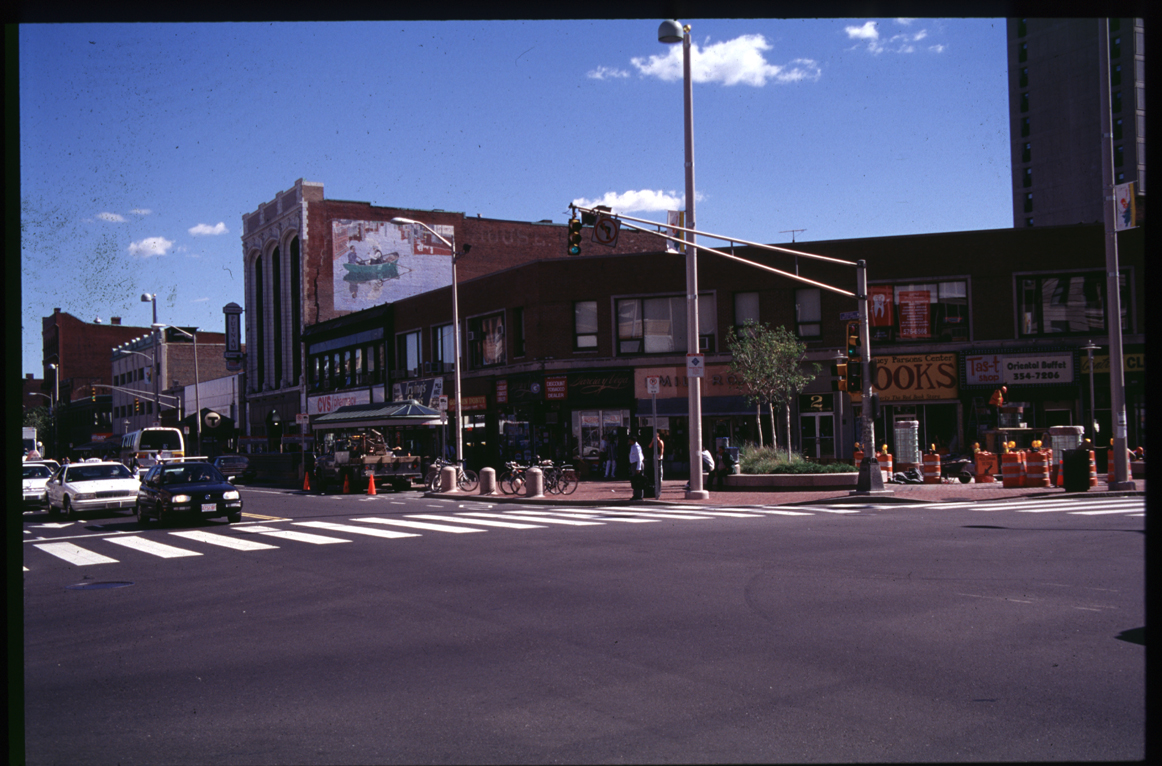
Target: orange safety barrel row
[1013, 470]
[931, 468]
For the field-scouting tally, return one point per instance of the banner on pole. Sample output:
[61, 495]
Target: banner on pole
[1126, 217]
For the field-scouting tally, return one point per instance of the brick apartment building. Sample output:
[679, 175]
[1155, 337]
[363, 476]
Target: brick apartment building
[557, 350]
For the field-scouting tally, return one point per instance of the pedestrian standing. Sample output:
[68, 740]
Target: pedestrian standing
[636, 464]
[658, 447]
[606, 456]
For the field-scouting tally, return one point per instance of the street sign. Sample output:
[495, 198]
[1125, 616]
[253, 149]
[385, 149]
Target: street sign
[443, 401]
[653, 384]
[848, 315]
[605, 231]
[212, 419]
[695, 365]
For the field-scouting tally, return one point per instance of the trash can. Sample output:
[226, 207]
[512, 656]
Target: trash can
[1075, 467]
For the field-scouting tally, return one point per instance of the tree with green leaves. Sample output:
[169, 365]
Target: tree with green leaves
[769, 363]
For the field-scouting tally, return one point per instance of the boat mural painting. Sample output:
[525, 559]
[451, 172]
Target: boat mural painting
[376, 262]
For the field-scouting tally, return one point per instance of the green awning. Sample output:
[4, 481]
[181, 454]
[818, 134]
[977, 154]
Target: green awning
[405, 413]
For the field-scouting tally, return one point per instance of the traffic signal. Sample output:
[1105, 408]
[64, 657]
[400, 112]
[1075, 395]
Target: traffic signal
[574, 237]
[839, 375]
[854, 358]
[136, 406]
[93, 393]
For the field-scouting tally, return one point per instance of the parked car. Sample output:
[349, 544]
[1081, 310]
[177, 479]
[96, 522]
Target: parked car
[186, 488]
[236, 468]
[81, 487]
[53, 466]
[33, 478]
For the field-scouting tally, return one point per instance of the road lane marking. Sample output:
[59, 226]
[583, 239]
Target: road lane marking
[236, 543]
[75, 554]
[389, 533]
[620, 516]
[421, 525]
[302, 537]
[264, 518]
[152, 547]
[481, 522]
[781, 512]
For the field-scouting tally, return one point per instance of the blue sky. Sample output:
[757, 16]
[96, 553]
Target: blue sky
[142, 145]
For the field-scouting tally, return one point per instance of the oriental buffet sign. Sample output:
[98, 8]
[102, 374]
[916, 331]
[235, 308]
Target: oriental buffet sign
[1030, 369]
[914, 377]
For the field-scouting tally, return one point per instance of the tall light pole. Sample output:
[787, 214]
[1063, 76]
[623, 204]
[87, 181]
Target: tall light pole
[152, 298]
[671, 32]
[455, 330]
[197, 386]
[56, 400]
[1121, 481]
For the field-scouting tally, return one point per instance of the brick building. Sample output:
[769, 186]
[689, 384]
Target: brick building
[556, 351]
[75, 354]
[310, 260]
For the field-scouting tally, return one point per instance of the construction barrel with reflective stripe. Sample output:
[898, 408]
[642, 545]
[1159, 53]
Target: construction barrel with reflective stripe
[1013, 470]
[931, 468]
[1037, 468]
[986, 467]
[1092, 469]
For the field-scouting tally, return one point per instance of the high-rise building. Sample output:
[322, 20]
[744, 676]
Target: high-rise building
[1055, 125]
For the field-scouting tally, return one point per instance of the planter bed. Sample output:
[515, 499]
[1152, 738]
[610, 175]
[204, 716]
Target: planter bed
[792, 481]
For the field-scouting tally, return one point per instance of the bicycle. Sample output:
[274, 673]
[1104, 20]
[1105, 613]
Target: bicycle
[466, 479]
[513, 478]
[560, 480]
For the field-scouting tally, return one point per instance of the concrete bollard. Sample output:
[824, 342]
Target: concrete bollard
[534, 482]
[448, 479]
[488, 481]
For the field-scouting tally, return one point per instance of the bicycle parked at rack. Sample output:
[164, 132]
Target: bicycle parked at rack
[466, 479]
[513, 477]
[560, 479]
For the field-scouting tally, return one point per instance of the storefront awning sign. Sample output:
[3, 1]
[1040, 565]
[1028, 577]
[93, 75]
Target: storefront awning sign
[1031, 369]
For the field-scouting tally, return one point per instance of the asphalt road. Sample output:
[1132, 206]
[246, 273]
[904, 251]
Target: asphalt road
[877, 634]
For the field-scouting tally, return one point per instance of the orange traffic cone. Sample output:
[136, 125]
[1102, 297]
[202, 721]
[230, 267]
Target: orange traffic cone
[371, 485]
[306, 481]
[346, 484]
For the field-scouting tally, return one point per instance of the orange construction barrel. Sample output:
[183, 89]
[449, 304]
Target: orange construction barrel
[1037, 468]
[931, 468]
[986, 467]
[1012, 469]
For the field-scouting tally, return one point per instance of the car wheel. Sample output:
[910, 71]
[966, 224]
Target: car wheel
[67, 508]
[234, 518]
[142, 518]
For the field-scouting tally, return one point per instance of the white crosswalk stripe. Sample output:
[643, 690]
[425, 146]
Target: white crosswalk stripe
[224, 541]
[420, 525]
[152, 547]
[618, 516]
[534, 515]
[302, 537]
[74, 554]
[480, 522]
[351, 529]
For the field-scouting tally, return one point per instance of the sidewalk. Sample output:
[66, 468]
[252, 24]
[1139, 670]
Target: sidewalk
[620, 493]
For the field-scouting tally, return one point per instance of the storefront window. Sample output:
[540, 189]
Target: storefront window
[408, 353]
[1067, 303]
[808, 312]
[443, 347]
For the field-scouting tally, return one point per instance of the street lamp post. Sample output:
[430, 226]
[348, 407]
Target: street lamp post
[1089, 348]
[455, 330]
[56, 401]
[671, 32]
[197, 386]
[152, 298]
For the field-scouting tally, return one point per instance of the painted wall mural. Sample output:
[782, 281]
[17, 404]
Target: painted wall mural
[376, 262]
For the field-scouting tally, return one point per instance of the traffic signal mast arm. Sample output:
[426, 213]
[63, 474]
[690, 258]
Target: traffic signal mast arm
[869, 479]
[762, 266]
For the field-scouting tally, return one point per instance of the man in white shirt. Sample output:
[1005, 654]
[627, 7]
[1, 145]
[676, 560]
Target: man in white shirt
[637, 461]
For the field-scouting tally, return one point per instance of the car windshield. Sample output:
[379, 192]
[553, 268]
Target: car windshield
[197, 473]
[36, 472]
[97, 472]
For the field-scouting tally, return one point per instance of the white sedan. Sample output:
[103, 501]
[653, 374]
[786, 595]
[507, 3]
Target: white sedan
[82, 487]
[33, 478]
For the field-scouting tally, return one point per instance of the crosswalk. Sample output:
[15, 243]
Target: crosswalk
[467, 518]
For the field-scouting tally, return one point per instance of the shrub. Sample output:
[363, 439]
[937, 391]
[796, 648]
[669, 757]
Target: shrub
[753, 459]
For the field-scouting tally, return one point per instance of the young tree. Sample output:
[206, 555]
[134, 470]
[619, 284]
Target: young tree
[769, 363]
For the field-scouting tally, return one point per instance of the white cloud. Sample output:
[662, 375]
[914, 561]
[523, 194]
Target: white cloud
[150, 246]
[605, 73]
[631, 201]
[867, 32]
[205, 230]
[731, 62]
[141, 211]
[898, 43]
[199, 300]
[111, 217]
